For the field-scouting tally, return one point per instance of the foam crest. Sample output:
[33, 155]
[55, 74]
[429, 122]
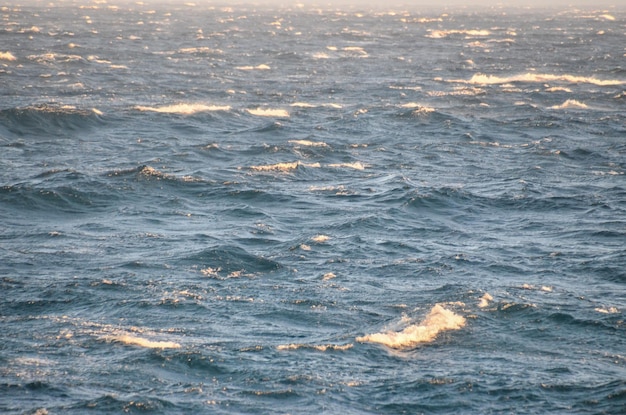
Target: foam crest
[268, 112]
[438, 320]
[308, 143]
[570, 104]
[141, 342]
[318, 347]
[185, 109]
[283, 167]
[7, 56]
[261, 67]
[482, 79]
[439, 34]
[357, 165]
[418, 109]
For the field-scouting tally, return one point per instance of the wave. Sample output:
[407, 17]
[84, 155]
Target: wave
[269, 112]
[133, 340]
[230, 261]
[438, 320]
[571, 104]
[483, 79]
[288, 167]
[64, 191]
[48, 118]
[184, 109]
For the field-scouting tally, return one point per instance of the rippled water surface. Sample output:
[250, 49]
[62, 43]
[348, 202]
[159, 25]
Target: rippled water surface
[241, 209]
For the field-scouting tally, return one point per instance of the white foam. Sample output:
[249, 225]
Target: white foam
[303, 105]
[261, 67]
[357, 165]
[607, 17]
[356, 50]
[132, 340]
[483, 79]
[7, 56]
[419, 109]
[201, 49]
[308, 143]
[186, 109]
[570, 104]
[283, 167]
[329, 276]
[607, 310]
[318, 347]
[268, 112]
[320, 238]
[484, 300]
[439, 34]
[438, 320]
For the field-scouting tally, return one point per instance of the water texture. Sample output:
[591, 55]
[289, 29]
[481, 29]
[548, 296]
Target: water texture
[249, 209]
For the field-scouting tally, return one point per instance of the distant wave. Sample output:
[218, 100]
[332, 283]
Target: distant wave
[483, 79]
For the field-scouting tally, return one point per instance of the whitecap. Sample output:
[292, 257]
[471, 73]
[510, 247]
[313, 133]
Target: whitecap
[318, 347]
[357, 165]
[308, 143]
[320, 238]
[7, 56]
[283, 167]
[483, 79]
[261, 67]
[141, 342]
[484, 300]
[268, 112]
[186, 109]
[570, 104]
[438, 320]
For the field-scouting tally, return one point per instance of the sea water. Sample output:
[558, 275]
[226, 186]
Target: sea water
[311, 209]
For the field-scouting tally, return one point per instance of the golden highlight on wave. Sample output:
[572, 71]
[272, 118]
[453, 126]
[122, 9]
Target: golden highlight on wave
[438, 320]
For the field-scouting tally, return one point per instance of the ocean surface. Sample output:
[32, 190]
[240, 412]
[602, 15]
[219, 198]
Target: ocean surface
[304, 210]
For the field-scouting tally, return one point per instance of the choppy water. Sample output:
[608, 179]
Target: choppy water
[300, 210]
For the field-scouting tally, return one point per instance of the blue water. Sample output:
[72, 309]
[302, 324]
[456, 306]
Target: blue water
[251, 209]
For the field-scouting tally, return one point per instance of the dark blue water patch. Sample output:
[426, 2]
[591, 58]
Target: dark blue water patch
[231, 259]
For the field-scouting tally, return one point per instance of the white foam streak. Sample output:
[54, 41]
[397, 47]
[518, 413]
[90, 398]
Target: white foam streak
[318, 347]
[186, 109]
[283, 167]
[141, 342]
[439, 34]
[482, 79]
[438, 320]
